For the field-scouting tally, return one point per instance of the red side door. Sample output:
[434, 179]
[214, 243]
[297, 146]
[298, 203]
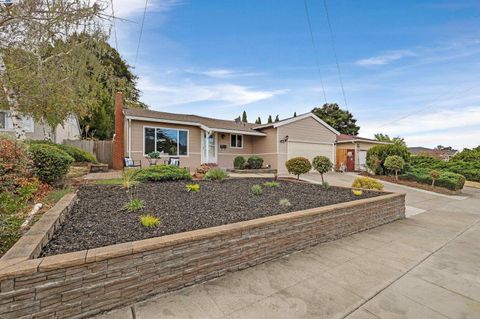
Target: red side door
[350, 160]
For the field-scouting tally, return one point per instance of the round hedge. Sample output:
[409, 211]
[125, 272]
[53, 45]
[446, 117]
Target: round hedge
[255, 162]
[239, 162]
[298, 166]
[50, 164]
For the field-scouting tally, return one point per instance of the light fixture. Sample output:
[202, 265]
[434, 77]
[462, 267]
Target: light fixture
[285, 139]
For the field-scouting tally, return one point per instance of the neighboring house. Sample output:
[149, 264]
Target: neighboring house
[441, 154]
[197, 139]
[37, 131]
[352, 152]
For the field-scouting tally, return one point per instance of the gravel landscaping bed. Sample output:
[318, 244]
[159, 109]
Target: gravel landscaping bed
[98, 219]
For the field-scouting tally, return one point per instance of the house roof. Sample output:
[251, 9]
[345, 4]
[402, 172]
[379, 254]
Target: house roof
[345, 138]
[423, 150]
[297, 118]
[206, 123]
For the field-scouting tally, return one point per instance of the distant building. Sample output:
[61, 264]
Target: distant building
[441, 154]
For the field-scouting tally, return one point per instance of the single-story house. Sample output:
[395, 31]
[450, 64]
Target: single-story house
[70, 130]
[442, 154]
[351, 154]
[196, 139]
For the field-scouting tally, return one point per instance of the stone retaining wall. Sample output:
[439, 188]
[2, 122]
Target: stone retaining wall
[80, 284]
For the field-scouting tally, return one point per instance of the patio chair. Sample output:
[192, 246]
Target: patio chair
[130, 163]
[175, 161]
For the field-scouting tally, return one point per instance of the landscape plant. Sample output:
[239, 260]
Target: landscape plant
[49, 163]
[256, 189]
[239, 162]
[271, 184]
[325, 185]
[367, 183]
[394, 163]
[377, 155]
[284, 202]
[434, 175]
[162, 173]
[449, 180]
[298, 166]
[322, 164]
[255, 162]
[216, 174]
[357, 192]
[149, 221]
[134, 205]
[195, 188]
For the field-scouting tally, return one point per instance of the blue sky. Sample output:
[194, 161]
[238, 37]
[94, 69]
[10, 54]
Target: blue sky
[409, 68]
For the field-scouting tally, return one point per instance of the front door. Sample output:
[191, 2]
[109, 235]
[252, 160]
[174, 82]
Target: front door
[350, 160]
[209, 147]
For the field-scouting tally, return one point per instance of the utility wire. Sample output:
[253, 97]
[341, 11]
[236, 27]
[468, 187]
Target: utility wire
[114, 26]
[141, 32]
[430, 105]
[315, 49]
[332, 38]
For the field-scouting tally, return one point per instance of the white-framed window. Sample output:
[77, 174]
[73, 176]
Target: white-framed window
[3, 120]
[236, 141]
[167, 141]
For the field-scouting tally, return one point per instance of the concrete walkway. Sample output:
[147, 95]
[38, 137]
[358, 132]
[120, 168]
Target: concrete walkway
[423, 267]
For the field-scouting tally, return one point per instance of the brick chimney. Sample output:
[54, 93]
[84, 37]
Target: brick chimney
[119, 136]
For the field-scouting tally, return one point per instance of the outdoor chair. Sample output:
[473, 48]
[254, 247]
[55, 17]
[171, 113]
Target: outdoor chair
[175, 161]
[130, 163]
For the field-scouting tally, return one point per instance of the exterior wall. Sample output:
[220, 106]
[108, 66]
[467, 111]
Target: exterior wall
[357, 146]
[84, 283]
[191, 161]
[306, 130]
[226, 156]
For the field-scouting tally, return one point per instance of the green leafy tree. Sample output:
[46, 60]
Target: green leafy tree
[244, 117]
[294, 114]
[269, 119]
[277, 119]
[341, 120]
[258, 120]
[322, 164]
[385, 138]
[394, 163]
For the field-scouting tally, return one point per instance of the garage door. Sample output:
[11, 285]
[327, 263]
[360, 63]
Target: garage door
[309, 150]
[362, 160]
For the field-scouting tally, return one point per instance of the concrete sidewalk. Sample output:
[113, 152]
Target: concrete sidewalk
[423, 267]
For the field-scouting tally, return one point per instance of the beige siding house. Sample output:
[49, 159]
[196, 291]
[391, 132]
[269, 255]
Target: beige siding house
[195, 139]
[352, 152]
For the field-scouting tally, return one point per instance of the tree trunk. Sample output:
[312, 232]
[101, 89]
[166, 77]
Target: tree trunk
[433, 182]
[396, 176]
[322, 178]
[13, 104]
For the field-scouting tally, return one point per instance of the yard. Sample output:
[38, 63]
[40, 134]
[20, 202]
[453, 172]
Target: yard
[101, 218]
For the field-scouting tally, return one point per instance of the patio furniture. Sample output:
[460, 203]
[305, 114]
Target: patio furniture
[130, 163]
[175, 161]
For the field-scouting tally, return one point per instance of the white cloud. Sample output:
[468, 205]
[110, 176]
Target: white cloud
[223, 73]
[160, 95]
[127, 8]
[386, 58]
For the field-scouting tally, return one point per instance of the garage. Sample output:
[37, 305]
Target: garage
[310, 150]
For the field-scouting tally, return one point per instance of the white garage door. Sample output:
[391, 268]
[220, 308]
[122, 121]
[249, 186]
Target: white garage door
[362, 160]
[309, 150]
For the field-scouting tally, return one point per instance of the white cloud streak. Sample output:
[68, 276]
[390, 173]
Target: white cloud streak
[223, 73]
[129, 8]
[386, 58]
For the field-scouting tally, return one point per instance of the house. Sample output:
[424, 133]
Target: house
[196, 139]
[351, 154]
[70, 130]
[444, 154]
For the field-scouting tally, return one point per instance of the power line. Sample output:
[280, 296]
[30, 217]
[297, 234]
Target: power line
[429, 106]
[315, 49]
[114, 26]
[141, 32]
[332, 39]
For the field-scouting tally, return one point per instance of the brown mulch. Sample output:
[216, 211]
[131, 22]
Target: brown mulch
[98, 218]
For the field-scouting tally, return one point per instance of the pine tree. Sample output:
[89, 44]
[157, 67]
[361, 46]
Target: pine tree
[258, 120]
[244, 117]
[277, 119]
[270, 119]
[294, 114]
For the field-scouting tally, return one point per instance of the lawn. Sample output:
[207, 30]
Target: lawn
[106, 215]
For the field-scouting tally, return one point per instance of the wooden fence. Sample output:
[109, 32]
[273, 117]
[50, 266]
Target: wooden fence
[101, 149]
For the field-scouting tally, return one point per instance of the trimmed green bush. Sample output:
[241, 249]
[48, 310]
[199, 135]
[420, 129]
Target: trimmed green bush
[195, 188]
[322, 164]
[149, 221]
[394, 163]
[50, 164]
[367, 183]
[298, 166]
[377, 155]
[255, 162]
[449, 180]
[79, 155]
[162, 173]
[272, 184]
[216, 174]
[239, 162]
[256, 189]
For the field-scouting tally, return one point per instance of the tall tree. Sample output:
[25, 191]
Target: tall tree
[277, 119]
[294, 114]
[385, 138]
[244, 117]
[341, 120]
[258, 120]
[269, 119]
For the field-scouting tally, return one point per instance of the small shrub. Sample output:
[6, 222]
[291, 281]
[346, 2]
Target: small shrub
[367, 183]
[154, 155]
[325, 185]
[357, 192]
[434, 175]
[322, 164]
[216, 174]
[149, 221]
[271, 184]
[78, 154]
[50, 164]
[134, 205]
[381, 152]
[448, 180]
[256, 189]
[284, 202]
[255, 162]
[193, 188]
[394, 163]
[298, 166]
[239, 162]
[162, 173]
[128, 178]
[204, 168]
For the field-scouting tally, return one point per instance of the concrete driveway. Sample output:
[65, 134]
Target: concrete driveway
[426, 266]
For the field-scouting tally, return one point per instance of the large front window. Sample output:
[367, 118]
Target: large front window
[167, 141]
[236, 141]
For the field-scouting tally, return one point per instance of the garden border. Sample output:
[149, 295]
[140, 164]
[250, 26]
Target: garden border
[84, 283]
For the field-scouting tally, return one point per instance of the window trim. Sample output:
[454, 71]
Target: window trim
[236, 141]
[4, 128]
[178, 140]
